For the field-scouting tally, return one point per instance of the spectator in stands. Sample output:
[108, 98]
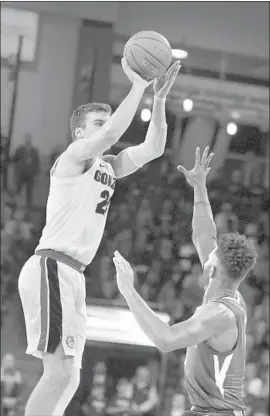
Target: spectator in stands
[119, 219]
[258, 193]
[95, 402]
[143, 246]
[150, 287]
[19, 227]
[145, 396]
[166, 212]
[226, 221]
[236, 186]
[167, 297]
[11, 383]
[26, 168]
[192, 292]
[145, 215]
[120, 403]
[177, 274]
[123, 241]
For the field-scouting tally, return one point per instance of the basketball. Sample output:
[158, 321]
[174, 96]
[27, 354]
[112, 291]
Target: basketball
[149, 54]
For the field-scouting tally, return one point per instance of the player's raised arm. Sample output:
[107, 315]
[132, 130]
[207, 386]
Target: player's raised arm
[132, 158]
[204, 231]
[211, 319]
[111, 131]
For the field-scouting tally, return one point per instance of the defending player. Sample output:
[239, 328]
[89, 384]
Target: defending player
[82, 182]
[215, 335]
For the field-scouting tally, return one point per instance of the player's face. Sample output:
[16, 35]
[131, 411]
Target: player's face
[93, 122]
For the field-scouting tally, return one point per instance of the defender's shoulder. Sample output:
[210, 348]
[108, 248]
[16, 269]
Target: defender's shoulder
[217, 314]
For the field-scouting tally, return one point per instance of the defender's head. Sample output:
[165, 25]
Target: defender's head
[233, 258]
[88, 118]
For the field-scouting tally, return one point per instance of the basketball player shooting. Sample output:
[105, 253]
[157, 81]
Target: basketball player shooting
[215, 335]
[82, 182]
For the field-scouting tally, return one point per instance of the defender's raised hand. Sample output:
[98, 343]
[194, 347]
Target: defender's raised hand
[124, 273]
[133, 76]
[163, 84]
[201, 169]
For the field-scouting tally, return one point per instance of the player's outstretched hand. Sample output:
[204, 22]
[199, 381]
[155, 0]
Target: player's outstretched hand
[133, 76]
[201, 169]
[124, 273]
[163, 84]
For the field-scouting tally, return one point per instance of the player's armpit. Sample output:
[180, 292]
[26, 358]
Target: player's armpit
[209, 320]
[122, 164]
[204, 245]
[84, 149]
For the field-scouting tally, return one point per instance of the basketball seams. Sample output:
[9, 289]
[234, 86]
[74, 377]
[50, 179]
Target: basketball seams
[149, 34]
[153, 57]
[130, 53]
[156, 40]
[140, 69]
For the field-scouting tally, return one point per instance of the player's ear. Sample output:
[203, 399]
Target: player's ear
[78, 133]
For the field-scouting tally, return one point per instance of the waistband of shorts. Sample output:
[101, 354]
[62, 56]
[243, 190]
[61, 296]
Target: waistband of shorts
[63, 258]
[210, 410]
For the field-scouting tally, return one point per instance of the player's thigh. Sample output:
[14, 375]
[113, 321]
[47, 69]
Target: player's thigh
[29, 288]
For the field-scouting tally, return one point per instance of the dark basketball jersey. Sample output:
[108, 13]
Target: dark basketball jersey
[213, 379]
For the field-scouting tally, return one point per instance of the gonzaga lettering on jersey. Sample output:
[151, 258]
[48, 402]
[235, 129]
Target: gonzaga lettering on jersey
[77, 209]
[216, 380]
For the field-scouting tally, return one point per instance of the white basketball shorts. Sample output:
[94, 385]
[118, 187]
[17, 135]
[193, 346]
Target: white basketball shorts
[53, 300]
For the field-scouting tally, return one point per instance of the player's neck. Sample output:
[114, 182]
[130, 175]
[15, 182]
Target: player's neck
[217, 289]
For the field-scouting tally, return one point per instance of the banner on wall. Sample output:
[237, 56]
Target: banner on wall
[92, 80]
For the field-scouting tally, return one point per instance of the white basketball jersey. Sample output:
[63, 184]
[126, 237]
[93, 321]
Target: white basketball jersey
[77, 209]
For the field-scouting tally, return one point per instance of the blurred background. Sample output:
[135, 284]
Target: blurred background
[57, 55]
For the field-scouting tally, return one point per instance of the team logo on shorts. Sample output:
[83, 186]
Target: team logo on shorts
[70, 341]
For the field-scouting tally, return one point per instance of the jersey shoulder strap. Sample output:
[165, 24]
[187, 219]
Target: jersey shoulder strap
[236, 305]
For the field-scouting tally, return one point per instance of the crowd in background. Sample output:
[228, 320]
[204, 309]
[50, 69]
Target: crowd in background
[149, 223]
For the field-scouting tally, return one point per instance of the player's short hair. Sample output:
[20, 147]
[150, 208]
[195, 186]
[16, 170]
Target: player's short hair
[236, 254]
[78, 116]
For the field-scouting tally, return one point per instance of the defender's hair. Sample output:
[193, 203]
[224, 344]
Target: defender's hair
[78, 116]
[237, 255]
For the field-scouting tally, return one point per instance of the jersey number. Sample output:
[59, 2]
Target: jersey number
[102, 206]
[220, 373]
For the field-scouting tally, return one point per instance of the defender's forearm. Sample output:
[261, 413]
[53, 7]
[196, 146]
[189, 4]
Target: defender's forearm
[156, 330]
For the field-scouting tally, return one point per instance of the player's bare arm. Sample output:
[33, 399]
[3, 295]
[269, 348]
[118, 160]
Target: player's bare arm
[210, 320]
[132, 158]
[203, 226]
[110, 131]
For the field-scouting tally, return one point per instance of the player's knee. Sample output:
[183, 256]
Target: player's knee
[75, 379]
[60, 372]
